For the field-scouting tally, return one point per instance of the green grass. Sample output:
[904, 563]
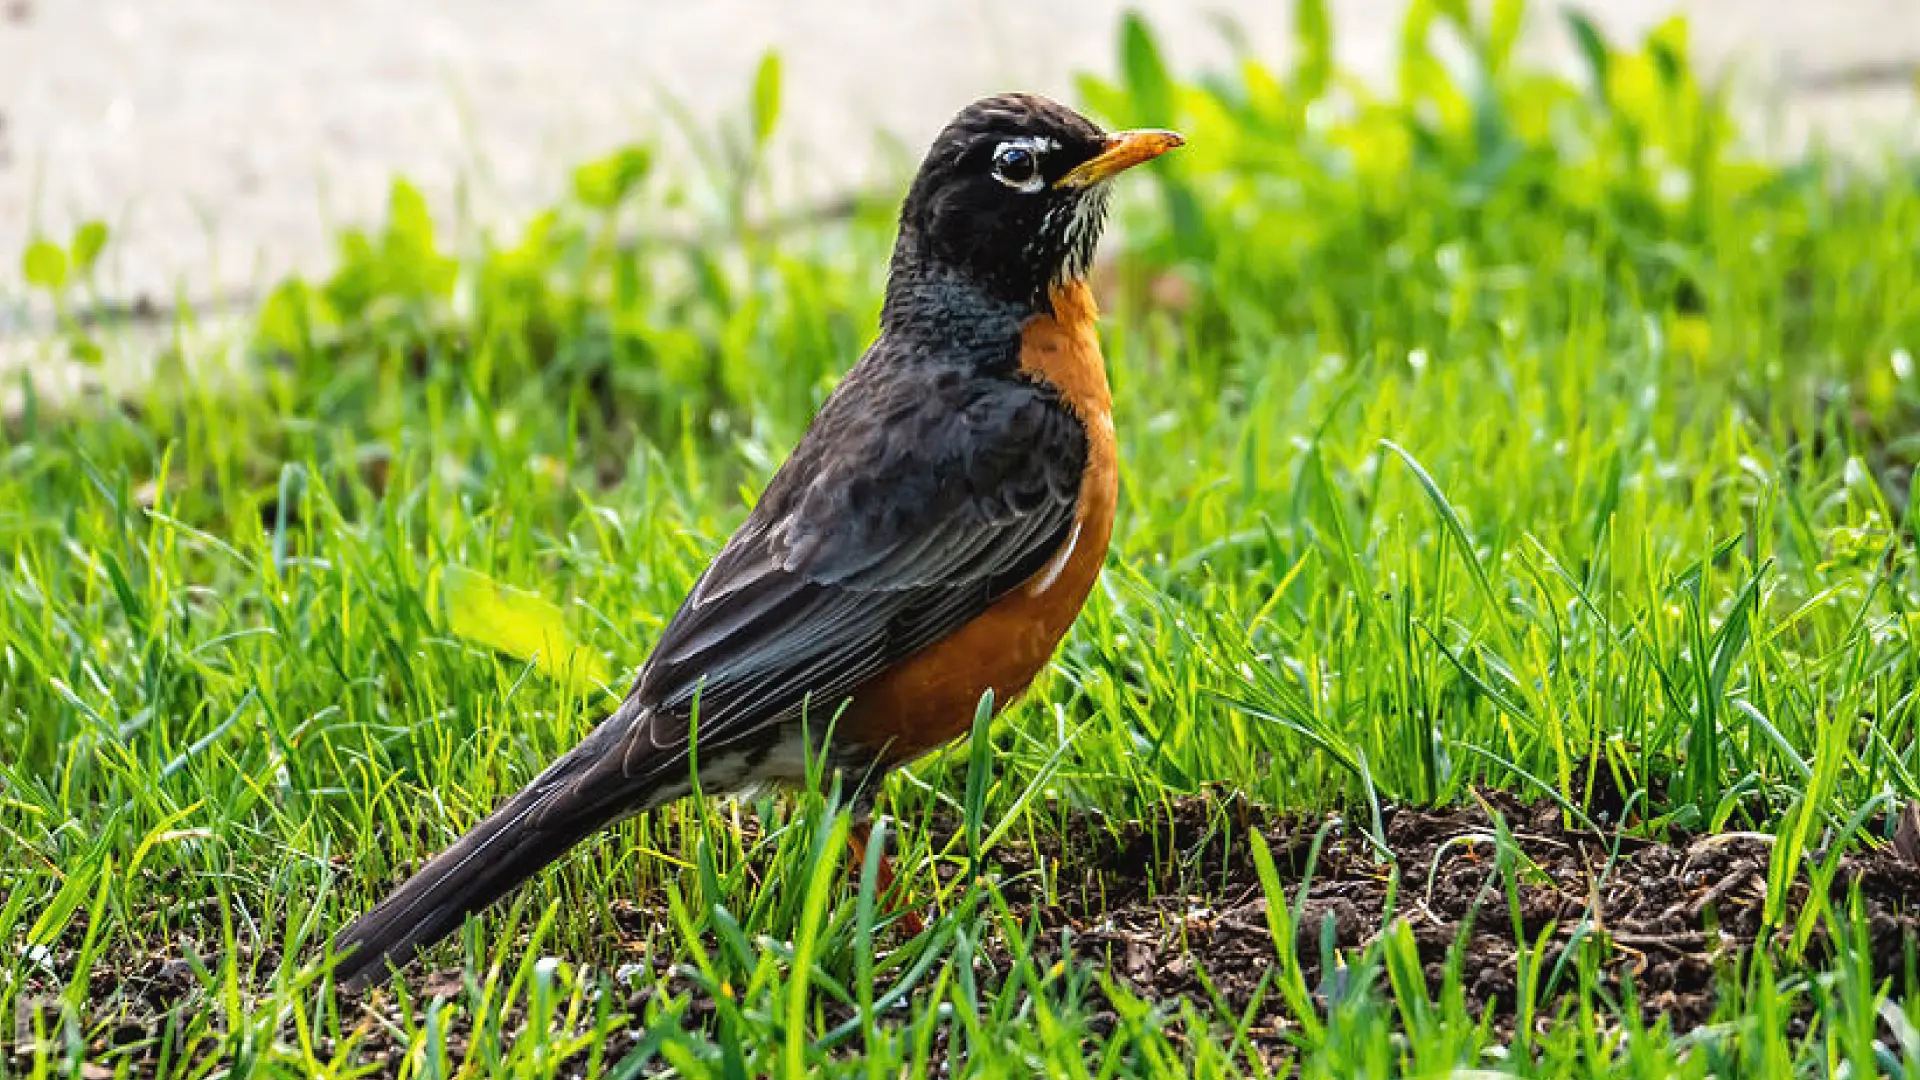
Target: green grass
[1488, 429]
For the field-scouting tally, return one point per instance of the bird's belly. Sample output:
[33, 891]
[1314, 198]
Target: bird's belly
[929, 699]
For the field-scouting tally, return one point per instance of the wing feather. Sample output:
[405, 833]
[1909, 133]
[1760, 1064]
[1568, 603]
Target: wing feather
[891, 526]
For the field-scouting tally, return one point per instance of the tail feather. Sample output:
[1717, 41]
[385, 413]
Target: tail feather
[577, 796]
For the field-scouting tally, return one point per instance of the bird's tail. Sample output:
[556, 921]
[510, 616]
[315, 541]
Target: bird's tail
[575, 797]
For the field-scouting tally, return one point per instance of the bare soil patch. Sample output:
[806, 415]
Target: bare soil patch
[1668, 915]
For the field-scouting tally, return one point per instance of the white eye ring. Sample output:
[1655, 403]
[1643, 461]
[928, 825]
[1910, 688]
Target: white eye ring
[1016, 163]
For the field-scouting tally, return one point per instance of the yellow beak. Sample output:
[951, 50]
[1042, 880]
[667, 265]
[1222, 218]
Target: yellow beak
[1124, 150]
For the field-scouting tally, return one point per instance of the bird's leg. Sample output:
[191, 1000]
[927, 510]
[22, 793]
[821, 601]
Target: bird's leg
[894, 903]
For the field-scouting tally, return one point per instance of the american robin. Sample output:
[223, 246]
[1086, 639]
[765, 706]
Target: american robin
[932, 537]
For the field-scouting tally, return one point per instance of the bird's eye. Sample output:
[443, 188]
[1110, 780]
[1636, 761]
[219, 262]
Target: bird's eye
[1016, 165]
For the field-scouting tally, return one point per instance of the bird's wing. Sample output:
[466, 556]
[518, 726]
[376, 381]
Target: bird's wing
[893, 524]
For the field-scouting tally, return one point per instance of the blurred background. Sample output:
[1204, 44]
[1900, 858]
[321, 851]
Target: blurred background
[223, 141]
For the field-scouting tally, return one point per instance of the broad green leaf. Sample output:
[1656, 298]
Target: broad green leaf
[84, 349]
[44, 265]
[604, 183]
[1667, 47]
[1146, 73]
[1503, 31]
[408, 218]
[520, 624]
[1419, 71]
[284, 321]
[1593, 47]
[88, 241]
[1313, 38]
[766, 98]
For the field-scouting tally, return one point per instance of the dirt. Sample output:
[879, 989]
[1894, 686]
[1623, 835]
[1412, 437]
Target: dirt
[1670, 916]
[1174, 911]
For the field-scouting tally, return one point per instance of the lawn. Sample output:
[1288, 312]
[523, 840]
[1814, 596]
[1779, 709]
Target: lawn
[1505, 661]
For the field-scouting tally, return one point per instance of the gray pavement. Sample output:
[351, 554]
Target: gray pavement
[225, 139]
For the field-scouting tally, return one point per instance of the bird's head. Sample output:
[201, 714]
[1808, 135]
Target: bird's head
[1012, 196]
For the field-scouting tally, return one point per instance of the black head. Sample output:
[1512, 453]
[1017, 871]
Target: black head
[1012, 196]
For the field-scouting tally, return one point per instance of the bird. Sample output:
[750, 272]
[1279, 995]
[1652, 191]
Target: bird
[930, 539]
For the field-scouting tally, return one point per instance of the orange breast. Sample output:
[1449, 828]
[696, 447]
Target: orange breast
[928, 699]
